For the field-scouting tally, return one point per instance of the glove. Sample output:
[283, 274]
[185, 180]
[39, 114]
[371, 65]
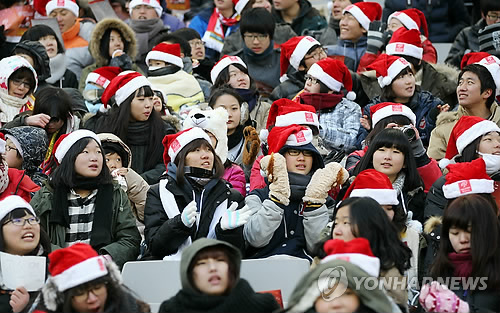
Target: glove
[233, 218]
[438, 298]
[323, 180]
[252, 144]
[375, 41]
[188, 216]
[274, 166]
[122, 61]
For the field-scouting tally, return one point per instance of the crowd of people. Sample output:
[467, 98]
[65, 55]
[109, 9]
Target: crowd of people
[252, 129]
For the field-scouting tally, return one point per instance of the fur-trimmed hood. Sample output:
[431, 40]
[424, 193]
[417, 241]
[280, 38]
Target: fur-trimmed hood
[449, 71]
[98, 32]
[431, 224]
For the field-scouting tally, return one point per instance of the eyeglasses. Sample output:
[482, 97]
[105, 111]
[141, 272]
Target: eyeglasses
[196, 43]
[82, 294]
[317, 54]
[22, 221]
[260, 37]
[493, 17]
[294, 152]
[8, 148]
[18, 83]
[313, 80]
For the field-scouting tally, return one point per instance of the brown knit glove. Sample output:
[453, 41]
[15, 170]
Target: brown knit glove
[323, 180]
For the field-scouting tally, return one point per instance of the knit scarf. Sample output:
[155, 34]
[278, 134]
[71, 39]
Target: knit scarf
[138, 133]
[256, 57]
[4, 176]
[57, 68]
[462, 263]
[103, 212]
[214, 35]
[145, 31]
[321, 101]
[250, 96]
[10, 106]
[235, 138]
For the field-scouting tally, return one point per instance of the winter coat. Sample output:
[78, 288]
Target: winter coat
[234, 42]
[76, 41]
[95, 44]
[308, 19]
[445, 18]
[67, 79]
[293, 84]
[429, 246]
[236, 177]
[260, 113]
[264, 69]
[351, 51]
[125, 236]
[37, 51]
[241, 298]
[444, 125]
[398, 293]
[466, 41]
[172, 22]
[329, 36]
[165, 235]
[411, 239]
[19, 184]
[277, 229]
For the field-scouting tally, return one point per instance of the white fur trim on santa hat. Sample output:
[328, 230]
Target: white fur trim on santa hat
[70, 140]
[317, 71]
[97, 79]
[474, 132]
[369, 264]
[183, 139]
[382, 196]
[135, 83]
[62, 4]
[467, 187]
[300, 138]
[165, 57]
[152, 3]
[80, 273]
[300, 51]
[2, 145]
[362, 19]
[10, 203]
[392, 72]
[240, 5]
[401, 48]
[297, 117]
[492, 64]
[407, 21]
[389, 110]
[222, 64]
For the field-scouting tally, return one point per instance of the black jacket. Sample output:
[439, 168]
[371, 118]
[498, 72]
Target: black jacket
[308, 19]
[290, 87]
[467, 40]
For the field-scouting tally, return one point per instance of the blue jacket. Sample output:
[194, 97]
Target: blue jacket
[352, 51]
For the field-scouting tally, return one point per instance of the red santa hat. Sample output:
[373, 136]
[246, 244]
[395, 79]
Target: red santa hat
[385, 109]
[293, 135]
[166, 52]
[356, 251]
[387, 68]
[365, 12]
[467, 178]
[63, 4]
[374, 184]
[473, 57]
[123, 85]
[465, 131]
[294, 50]
[334, 74]
[174, 143]
[66, 141]
[411, 19]
[103, 75]
[152, 3]
[75, 265]
[405, 42]
[2, 143]
[223, 63]
[10, 203]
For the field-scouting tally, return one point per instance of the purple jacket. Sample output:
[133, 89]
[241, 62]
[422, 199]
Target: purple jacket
[236, 177]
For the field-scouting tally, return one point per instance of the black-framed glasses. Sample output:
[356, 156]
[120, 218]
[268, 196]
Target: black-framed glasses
[260, 37]
[313, 80]
[22, 221]
[493, 17]
[82, 294]
[317, 54]
[294, 152]
[197, 43]
[8, 148]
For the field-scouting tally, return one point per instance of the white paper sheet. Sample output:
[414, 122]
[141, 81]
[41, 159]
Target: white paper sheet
[26, 271]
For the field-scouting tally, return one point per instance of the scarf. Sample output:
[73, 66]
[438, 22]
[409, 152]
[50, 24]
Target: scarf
[321, 101]
[145, 31]
[235, 138]
[462, 263]
[138, 133]
[257, 57]
[103, 212]
[57, 68]
[298, 184]
[10, 106]
[4, 176]
[214, 35]
[399, 183]
[250, 96]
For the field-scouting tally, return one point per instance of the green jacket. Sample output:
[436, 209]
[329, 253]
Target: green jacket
[125, 236]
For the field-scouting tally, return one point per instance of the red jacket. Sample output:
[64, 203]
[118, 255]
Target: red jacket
[19, 184]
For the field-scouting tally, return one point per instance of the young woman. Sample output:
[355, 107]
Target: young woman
[112, 43]
[364, 218]
[20, 234]
[232, 71]
[468, 251]
[83, 281]
[18, 81]
[201, 261]
[81, 204]
[133, 119]
[60, 75]
[191, 201]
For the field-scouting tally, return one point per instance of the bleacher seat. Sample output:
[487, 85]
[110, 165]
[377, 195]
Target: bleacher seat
[442, 51]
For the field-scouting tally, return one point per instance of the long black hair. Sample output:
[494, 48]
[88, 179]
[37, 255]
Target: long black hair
[104, 47]
[35, 33]
[388, 93]
[56, 103]
[223, 78]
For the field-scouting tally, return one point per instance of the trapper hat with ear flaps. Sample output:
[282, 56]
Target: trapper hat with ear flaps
[385, 109]
[10, 203]
[223, 63]
[294, 50]
[103, 75]
[213, 121]
[411, 19]
[374, 184]
[467, 178]
[405, 42]
[166, 52]
[174, 143]
[334, 74]
[66, 141]
[152, 3]
[356, 251]
[63, 4]
[387, 68]
[365, 13]
[124, 85]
